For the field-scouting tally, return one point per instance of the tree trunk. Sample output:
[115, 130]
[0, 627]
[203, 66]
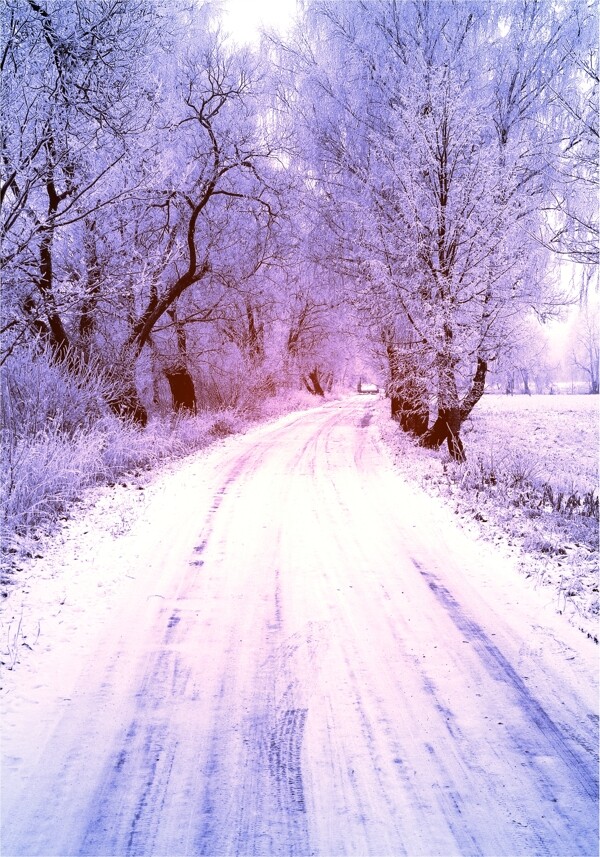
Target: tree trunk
[180, 381]
[407, 393]
[476, 390]
[182, 390]
[414, 412]
[411, 413]
[313, 384]
[255, 335]
[87, 320]
[58, 337]
[448, 422]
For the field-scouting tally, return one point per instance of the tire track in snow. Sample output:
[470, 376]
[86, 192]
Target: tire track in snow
[537, 831]
[502, 670]
[285, 746]
[292, 676]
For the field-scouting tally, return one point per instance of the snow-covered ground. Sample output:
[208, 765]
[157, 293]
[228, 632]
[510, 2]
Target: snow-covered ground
[554, 438]
[280, 646]
[527, 442]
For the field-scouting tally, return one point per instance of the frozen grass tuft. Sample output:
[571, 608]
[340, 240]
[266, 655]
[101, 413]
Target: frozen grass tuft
[515, 479]
[44, 474]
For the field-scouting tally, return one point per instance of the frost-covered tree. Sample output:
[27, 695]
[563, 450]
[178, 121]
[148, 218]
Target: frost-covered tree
[138, 189]
[429, 164]
[210, 217]
[75, 93]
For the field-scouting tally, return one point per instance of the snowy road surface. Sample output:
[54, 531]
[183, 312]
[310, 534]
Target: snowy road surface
[313, 661]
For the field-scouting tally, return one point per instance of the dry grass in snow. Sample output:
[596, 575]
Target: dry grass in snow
[530, 485]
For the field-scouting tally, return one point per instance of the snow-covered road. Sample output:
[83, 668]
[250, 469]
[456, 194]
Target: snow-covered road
[314, 661]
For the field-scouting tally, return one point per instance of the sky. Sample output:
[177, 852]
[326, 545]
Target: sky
[244, 18]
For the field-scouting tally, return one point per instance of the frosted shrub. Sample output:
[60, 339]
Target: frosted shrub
[43, 474]
[37, 394]
[59, 435]
[49, 447]
[287, 401]
[186, 433]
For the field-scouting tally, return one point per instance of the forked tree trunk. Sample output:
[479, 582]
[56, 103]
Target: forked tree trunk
[448, 422]
[450, 419]
[312, 382]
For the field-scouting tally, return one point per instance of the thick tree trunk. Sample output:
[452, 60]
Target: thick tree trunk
[408, 399]
[57, 335]
[448, 422]
[182, 390]
[411, 413]
[180, 381]
[312, 383]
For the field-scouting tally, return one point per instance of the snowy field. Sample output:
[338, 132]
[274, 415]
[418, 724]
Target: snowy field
[527, 442]
[554, 438]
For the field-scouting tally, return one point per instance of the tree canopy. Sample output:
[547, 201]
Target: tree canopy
[391, 186]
